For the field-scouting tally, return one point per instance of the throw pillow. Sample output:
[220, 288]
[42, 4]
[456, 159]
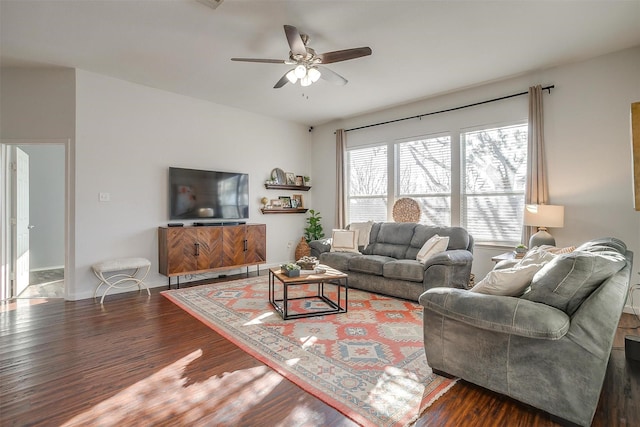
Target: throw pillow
[364, 230]
[344, 241]
[569, 279]
[431, 247]
[510, 282]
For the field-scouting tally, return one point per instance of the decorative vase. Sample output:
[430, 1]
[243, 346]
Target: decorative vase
[302, 249]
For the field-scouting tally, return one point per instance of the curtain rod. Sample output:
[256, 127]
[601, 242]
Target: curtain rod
[419, 116]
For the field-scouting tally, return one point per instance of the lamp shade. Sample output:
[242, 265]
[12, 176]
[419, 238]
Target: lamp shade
[544, 216]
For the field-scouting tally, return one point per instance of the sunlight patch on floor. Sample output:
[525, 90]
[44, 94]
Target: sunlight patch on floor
[17, 304]
[170, 395]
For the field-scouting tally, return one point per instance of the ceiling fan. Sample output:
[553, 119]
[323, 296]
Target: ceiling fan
[307, 63]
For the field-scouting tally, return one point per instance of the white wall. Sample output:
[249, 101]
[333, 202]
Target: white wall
[127, 137]
[588, 146]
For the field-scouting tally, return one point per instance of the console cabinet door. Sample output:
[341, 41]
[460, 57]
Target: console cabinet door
[188, 250]
[233, 238]
[256, 246]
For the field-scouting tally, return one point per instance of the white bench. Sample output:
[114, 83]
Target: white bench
[124, 279]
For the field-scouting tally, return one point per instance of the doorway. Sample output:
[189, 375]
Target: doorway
[33, 218]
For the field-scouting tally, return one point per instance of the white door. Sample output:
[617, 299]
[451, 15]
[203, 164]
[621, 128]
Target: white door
[22, 227]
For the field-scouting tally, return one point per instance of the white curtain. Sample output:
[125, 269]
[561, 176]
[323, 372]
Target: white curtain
[536, 191]
[341, 147]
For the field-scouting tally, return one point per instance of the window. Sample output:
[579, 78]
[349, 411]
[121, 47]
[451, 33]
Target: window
[367, 184]
[475, 179]
[424, 174]
[494, 174]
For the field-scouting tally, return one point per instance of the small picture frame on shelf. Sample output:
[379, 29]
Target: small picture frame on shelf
[298, 200]
[299, 180]
[285, 201]
[276, 204]
[291, 178]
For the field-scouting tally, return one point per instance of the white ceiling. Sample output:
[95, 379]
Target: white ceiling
[420, 48]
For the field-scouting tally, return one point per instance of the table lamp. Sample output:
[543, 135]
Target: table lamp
[543, 216]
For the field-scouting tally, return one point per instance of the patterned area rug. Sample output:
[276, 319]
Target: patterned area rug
[368, 363]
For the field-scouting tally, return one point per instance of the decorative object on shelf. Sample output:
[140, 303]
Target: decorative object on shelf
[307, 262]
[264, 202]
[299, 180]
[307, 180]
[278, 176]
[303, 250]
[290, 269]
[291, 178]
[298, 199]
[286, 202]
[313, 231]
[543, 216]
[276, 204]
[406, 210]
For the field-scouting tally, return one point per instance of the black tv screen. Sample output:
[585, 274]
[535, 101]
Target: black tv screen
[202, 194]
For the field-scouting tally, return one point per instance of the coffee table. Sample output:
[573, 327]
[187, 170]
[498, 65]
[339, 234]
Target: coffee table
[281, 301]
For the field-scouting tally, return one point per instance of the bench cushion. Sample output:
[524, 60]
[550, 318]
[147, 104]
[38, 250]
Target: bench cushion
[120, 264]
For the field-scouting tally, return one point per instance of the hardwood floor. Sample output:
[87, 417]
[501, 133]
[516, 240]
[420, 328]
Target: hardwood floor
[141, 360]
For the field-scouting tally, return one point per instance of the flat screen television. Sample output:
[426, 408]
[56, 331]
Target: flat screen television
[202, 194]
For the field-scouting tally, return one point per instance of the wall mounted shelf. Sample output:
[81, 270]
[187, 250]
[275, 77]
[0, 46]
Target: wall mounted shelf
[283, 211]
[287, 187]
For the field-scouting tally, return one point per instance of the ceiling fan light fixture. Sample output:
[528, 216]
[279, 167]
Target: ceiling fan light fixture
[291, 76]
[300, 71]
[305, 81]
[314, 74]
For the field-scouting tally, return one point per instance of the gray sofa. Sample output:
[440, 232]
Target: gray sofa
[548, 348]
[388, 265]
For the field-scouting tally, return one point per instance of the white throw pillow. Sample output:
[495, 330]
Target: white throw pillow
[537, 255]
[507, 281]
[431, 247]
[364, 229]
[344, 241]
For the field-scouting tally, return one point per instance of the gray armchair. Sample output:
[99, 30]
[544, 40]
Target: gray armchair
[548, 348]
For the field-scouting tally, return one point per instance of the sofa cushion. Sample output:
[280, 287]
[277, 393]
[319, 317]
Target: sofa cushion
[390, 239]
[338, 260]
[511, 281]
[372, 264]
[344, 241]
[434, 245]
[458, 238]
[569, 279]
[404, 269]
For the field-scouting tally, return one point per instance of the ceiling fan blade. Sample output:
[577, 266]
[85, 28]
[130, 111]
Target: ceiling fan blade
[283, 81]
[344, 55]
[295, 41]
[268, 61]
[331, 76]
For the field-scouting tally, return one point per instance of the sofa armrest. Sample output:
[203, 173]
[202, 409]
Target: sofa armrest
[450, 257]
[507, 315]
[320, 246]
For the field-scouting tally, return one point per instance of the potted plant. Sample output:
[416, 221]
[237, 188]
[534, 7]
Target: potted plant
[313, 231]
[290, 269]
[307, 180]
[521, 250]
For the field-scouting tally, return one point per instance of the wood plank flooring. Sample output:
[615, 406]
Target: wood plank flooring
[141, 360]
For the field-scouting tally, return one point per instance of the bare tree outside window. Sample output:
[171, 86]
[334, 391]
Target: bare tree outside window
[494, 176]
[424, 171]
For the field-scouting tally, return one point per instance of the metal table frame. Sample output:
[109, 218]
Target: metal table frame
[335, 277]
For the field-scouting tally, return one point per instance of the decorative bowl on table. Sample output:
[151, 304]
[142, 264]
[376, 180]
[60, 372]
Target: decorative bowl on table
[307, 262]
